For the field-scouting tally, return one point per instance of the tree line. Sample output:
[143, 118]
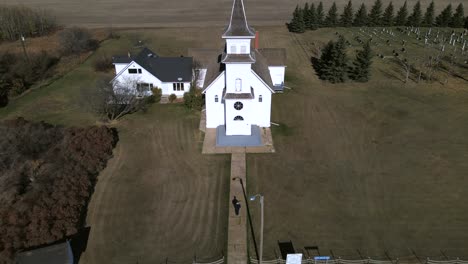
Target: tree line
[312, 16]
[48, 174]
[17, 21]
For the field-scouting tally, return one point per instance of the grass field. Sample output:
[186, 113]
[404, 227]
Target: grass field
[363, 168]
[185, 13]
[372, 167]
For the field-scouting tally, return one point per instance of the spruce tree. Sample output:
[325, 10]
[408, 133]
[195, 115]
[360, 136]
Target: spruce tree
[320, 14]
[375, 15]
[306, 16]
[332, 17]
[347, 16]
[333, 62]
[466, 22]
[313, 17]
[361, 16]
[387, 19]
[360, 71]
[458, 19]
[297, 22]
[428, 20]
[415, 17]
[444, 18]
[402, 15]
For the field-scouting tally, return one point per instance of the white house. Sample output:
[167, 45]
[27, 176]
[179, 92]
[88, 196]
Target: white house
[238, 83]
[147, 70]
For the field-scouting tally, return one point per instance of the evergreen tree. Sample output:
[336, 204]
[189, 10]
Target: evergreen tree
[320, 14]
[332, 63]
[297, 23]
[428, 20]
[332, 17]
[466, 22]
[402, 15]
[360, 71]
[312, 18]
[361, 16]
[416, 17]
[375, 15]
[443, 19]
[347, 16]
[306, 16]
[458, 19]
[387, 19]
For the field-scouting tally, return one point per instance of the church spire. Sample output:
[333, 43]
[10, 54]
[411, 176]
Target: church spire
[238, 26]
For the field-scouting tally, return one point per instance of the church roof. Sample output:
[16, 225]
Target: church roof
[274, 56]
[238, 26]
[238, 58]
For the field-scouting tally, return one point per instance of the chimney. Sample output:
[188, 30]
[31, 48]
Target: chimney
[256, 40]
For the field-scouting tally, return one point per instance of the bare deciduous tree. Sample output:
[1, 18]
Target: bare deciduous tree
[112, 100]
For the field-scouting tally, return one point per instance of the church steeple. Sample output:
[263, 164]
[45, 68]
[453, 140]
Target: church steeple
[238, 26]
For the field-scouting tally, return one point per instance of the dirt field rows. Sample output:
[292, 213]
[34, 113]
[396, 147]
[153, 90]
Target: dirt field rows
[181, 13]
[370, 169]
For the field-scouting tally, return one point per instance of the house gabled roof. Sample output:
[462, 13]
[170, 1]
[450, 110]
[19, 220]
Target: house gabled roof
[166, 69]
[238, 26]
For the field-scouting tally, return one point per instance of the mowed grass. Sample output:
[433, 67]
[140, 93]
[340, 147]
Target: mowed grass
[185, 13]
[159, 198]
[363, 170]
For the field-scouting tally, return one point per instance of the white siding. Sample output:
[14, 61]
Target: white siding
[168, 89]
[119, 67]
[215, 110]
[238, 71]
[277, 74]
[238, 43]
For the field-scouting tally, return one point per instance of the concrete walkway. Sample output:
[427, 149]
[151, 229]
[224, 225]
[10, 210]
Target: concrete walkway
[237, 227]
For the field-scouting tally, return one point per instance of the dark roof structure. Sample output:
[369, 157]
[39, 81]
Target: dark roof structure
[274, 56]
[238, 26]
[238, 58]
[166, 69]
[55, 254]
[260, 67]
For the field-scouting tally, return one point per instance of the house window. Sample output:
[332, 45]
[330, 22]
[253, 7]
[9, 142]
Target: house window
[134, 71]
[178, 86]
[144, 87]
[238, 85]
[238, 118]
[233, 49]
[216, 98]
[260, 98]
[243, 49]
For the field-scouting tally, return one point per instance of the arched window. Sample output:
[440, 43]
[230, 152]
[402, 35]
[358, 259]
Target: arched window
[216, 98]
[260, 98]
[238, 118]
[238, 85]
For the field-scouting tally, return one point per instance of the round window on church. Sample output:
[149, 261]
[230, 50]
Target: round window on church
[238, 105]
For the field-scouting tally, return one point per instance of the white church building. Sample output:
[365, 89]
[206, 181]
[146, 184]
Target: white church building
[238, 83]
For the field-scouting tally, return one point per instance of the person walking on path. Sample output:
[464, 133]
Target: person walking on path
[236, 204]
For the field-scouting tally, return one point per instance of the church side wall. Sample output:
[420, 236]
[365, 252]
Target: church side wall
[260, 110]
[215, 110]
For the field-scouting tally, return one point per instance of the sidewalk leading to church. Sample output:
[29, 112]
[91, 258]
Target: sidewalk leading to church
[237, 227]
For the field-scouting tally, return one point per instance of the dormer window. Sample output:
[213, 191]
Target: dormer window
[233, 49]
[238, 85]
